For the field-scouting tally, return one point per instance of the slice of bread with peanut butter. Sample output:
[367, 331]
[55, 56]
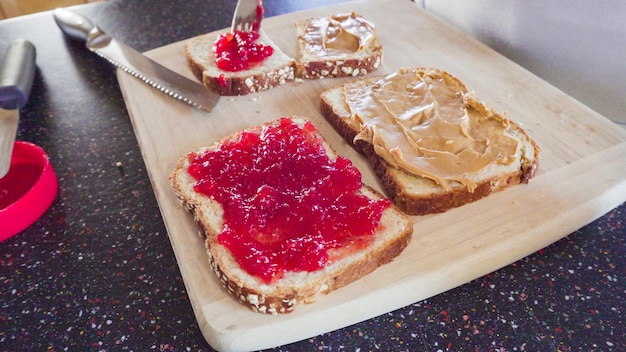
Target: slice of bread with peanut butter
[432, 143]
[340, 45]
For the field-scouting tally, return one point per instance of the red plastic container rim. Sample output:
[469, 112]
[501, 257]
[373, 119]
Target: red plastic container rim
[22, 213]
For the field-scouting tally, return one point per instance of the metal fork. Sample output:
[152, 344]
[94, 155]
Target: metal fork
[248, 16]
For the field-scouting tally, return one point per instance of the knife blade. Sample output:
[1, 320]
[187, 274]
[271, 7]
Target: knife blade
[16, 79]
[135, 63]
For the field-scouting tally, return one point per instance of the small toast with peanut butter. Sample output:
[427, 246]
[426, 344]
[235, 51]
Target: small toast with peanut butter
[284, 218]
[341, 45]
[432, 143]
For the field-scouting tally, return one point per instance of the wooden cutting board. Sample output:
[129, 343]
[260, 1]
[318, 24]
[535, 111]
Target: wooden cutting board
[581, 177]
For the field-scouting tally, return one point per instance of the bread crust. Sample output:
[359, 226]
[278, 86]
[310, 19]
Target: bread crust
[348, 67]
[391, 237]
[236, 85]
[396, 182]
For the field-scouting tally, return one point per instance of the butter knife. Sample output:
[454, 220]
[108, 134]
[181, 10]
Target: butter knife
[135, 63]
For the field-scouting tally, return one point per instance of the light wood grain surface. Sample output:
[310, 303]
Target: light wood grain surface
[581, 177]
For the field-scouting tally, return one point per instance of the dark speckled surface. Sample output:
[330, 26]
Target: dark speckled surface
[97, 271]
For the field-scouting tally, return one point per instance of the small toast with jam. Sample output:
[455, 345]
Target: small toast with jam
[217, 61]
[284, 218]
[432, 143]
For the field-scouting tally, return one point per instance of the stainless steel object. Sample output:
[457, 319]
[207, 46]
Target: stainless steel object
[248, 16]
[133, 62]
[16, 79]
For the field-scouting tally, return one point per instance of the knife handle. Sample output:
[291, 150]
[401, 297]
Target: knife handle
[16, 74]
[72, 24]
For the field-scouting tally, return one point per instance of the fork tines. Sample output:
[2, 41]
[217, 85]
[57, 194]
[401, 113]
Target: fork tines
[246, 16]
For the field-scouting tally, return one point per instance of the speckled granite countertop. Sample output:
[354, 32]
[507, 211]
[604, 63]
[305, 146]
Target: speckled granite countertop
[97, 271]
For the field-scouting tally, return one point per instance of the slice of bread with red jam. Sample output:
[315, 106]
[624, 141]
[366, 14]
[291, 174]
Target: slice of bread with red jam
[340, 45]
[274, 70]
[285, 218]
[433, 144]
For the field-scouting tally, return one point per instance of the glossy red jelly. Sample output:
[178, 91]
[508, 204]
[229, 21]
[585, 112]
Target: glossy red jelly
[259, 17]
[237, 51]
[16, 183]
[287, 206]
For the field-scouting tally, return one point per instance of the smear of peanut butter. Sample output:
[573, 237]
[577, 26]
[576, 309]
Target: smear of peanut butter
[424, 126]
[338, 34]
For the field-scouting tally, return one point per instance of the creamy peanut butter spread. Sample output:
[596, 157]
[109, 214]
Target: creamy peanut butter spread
[338, 34]
[424, 126]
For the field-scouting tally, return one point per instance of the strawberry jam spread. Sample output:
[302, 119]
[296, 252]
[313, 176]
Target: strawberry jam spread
[287, 206]
[238, 50]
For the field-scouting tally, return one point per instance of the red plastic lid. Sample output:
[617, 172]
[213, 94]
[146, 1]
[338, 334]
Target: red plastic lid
[27, 190]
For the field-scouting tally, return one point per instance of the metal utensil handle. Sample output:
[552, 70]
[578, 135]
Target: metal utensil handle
[16, 74]
[72, 24]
